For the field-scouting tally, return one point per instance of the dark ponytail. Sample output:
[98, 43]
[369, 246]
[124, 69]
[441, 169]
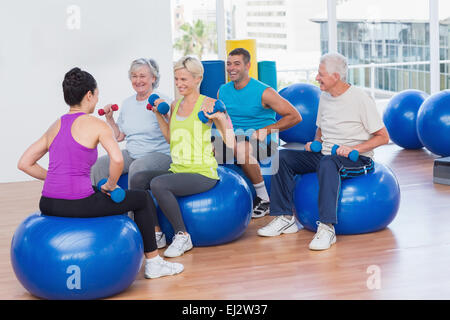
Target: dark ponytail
[76, 84]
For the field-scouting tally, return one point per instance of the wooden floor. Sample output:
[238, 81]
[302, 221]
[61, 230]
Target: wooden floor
[412, 255]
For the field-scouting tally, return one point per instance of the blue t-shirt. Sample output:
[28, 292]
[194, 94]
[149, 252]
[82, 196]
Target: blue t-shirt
[143, 135]
[245, 107]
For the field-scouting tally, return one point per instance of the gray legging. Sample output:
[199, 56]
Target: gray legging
[155, 161]
[166, 185]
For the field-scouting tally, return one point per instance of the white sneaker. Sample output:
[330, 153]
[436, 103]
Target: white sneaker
[324, 237]
[180, 244]
[160, 239]
[158, 267]
[278, 226]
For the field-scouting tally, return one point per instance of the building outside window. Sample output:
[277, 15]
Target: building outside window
[294, 34]
[385, 31]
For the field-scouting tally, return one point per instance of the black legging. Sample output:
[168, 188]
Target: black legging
[166, 186]
[101, 205]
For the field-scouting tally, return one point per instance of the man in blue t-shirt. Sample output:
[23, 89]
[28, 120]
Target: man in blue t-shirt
[252, 107]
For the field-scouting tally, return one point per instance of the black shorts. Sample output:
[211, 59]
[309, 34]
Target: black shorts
[261, 150]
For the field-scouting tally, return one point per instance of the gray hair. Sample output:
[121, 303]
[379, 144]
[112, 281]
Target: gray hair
[151, 64]
[335, 63]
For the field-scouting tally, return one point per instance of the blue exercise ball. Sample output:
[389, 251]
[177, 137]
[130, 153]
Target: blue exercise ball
[76, 258]
[400, 118]
[433, 123]
[305, 98]
[265, 173]
[217, 216]
[123, 181]
[366, 203]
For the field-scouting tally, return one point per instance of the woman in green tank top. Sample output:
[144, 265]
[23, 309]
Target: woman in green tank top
[194, 168]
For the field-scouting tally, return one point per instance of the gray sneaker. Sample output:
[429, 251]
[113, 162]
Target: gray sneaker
[180, 244]
[160, 240]
[260, 208]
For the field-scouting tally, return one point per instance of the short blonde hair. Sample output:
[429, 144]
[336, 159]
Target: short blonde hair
[191, 64]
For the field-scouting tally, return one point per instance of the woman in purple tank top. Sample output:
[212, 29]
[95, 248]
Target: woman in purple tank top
[72, 142]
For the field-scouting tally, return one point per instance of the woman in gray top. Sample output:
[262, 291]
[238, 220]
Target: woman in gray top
[146, 148]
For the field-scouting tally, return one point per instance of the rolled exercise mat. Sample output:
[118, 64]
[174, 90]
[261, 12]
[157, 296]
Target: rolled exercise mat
[213, 77]
[250, 46]
[267, 73]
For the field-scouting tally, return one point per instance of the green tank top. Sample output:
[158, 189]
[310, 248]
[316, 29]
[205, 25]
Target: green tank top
[190, 144]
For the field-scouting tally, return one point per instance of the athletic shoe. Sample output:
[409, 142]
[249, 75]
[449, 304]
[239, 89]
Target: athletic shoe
[278, 226]
[180, 244]
[260, 208]
[324, 237]
[158, 267]
[160, 239]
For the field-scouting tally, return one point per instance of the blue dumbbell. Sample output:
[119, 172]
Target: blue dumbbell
[219, 106]
[117, 195]
[163, 107]
[353, 155]
[316, 146]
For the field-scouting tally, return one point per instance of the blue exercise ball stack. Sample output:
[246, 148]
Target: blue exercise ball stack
[367, 203]
[305, 98]
[76, 258]
[400, 118]
[213, 77]
[433, 123]
[217, 216]
[267, 73]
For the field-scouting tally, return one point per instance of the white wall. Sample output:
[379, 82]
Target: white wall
[40, 41]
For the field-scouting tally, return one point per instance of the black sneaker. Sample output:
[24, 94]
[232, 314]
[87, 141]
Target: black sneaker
[260, 208]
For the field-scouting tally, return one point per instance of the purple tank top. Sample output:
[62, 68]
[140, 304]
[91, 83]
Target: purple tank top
[70, 163]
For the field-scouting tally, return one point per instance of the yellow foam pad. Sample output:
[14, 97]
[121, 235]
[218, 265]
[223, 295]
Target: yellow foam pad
[250, 46]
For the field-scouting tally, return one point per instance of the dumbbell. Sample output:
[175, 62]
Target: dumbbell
[219, 106]
[117, 195]
[353, 155]
[163, 107]
[114, 107]
[316, 146]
